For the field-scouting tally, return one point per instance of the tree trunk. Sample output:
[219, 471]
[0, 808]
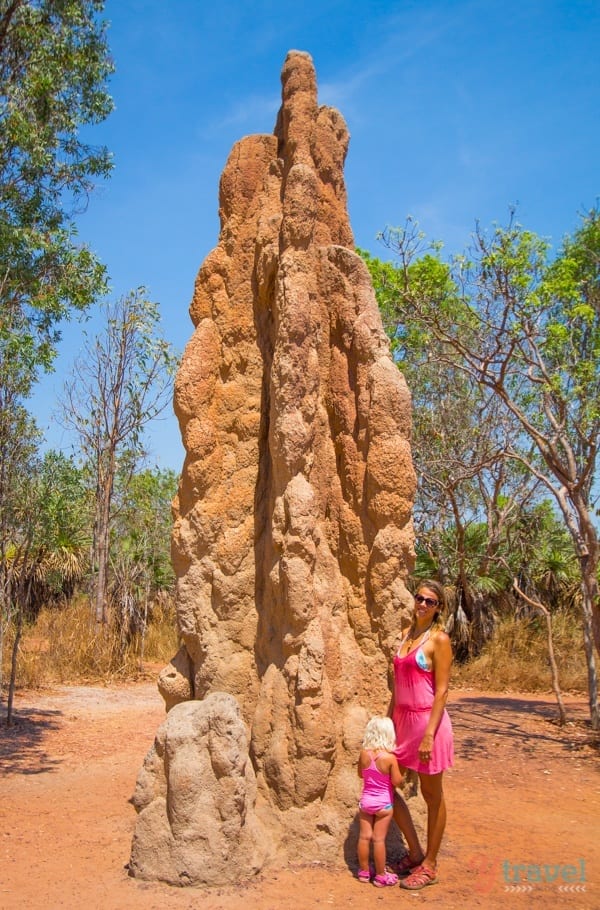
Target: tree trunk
[144, 628]
[551, 658]
[585, 539]
[101, 549]
[23, 592]
[100, 606]
[13, 666]
[589, 557]
[1, 653]
[5, 612]
[590, 656]
[589, 590]
[562, 715]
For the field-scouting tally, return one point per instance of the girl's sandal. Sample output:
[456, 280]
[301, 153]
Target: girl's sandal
[387, 878]
[419, 878]
[364, 875]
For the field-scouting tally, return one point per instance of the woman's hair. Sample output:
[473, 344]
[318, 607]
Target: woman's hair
[439, 618]
[380, 734]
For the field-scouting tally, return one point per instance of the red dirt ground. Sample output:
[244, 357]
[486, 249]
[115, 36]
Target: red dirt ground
[523, 812]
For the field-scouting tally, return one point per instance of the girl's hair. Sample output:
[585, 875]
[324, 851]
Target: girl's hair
[380, 734]
[439, 618]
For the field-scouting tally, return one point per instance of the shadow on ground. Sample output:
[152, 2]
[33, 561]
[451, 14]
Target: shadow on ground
[21, 744]
[523, 722]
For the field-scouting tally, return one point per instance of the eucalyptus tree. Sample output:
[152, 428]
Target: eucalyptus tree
[143, 523]
[65, 515]
[526, 329]
[121, 381]
[547, 577]
[140, 550]
[54, 67]
[468, 494]
[19, 451]
[44, 540]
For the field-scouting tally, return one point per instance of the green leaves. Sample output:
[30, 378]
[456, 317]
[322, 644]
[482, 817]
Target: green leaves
[501, 350]
[54, 64]
[121, 381]
[142, 525]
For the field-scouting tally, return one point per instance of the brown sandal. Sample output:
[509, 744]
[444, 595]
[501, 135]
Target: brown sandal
[419, 878]
[406, 865]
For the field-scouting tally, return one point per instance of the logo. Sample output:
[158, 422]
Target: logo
[522, 877]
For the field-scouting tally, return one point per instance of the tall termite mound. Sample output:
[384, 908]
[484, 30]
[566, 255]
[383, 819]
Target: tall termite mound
[293, 537]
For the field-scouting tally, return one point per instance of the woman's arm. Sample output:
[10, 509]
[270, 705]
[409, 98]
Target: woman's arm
[390, 711]
[362, 763]
[441, 663]
[392, 680]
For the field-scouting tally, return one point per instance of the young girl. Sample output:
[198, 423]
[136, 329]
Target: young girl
[378, 767]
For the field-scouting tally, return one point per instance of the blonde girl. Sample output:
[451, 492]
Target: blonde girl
[378, 768]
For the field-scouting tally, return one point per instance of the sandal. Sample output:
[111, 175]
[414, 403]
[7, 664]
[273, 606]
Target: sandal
[364, 875]
[406, 865]
[419, 878]
[385, 879]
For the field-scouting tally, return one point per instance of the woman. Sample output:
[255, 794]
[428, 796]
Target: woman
[423, 729]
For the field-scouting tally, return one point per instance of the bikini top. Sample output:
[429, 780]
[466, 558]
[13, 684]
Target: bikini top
[420, 657]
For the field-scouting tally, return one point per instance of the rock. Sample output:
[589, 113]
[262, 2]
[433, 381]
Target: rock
[292, 533]
[195, 796]
[175, 680]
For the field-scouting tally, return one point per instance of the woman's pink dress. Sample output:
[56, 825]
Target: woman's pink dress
[414, 688]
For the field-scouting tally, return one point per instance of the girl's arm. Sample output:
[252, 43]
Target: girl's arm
[388, 764]
[395, 773]
[441, 663]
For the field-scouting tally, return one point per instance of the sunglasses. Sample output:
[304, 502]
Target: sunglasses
[426, 600]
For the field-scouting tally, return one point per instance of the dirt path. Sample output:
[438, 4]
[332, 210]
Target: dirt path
[523, 812]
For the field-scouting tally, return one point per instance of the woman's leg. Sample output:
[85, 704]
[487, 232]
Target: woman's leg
[365, 835]
[433, 794]
[403, 819]
[381, 824]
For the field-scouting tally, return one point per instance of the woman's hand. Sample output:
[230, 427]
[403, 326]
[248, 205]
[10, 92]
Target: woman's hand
[425, 747]
[441, 658]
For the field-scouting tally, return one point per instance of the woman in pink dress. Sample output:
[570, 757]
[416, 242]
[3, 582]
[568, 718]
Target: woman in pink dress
[423, 729]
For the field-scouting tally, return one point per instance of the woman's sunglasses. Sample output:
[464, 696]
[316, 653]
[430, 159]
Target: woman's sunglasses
[426, 600]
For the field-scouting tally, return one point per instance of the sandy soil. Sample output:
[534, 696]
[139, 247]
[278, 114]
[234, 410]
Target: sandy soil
[523, 812]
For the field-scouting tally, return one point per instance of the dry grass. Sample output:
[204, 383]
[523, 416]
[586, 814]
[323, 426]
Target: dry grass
[65, 646]
[517, 657]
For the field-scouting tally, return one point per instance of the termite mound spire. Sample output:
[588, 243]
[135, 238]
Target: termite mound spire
[292, 525]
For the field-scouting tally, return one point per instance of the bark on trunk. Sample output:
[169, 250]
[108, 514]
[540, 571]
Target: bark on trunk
[101, 547]
[551, 657]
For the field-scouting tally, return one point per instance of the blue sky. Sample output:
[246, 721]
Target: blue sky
[457, 109]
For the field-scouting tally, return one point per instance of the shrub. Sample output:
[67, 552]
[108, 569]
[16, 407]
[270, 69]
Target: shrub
[64, 645]
[517, 657]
